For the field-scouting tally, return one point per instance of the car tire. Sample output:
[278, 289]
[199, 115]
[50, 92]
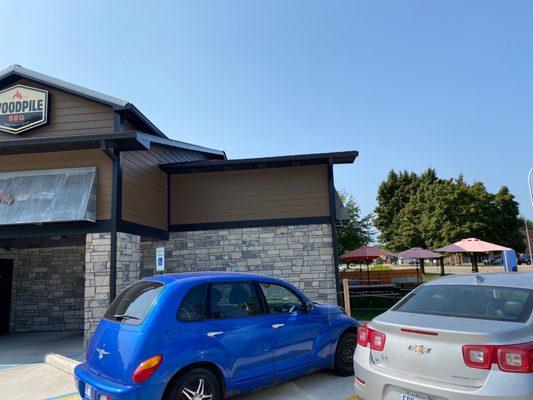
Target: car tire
[197, 380]
[346, 345]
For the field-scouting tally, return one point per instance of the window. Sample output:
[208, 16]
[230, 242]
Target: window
[192, 307]
[280, 299]
[132, 305]
[470, 301]
[233, 300]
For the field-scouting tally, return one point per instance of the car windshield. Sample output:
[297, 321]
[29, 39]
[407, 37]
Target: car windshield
[470, 301]
[132, 305]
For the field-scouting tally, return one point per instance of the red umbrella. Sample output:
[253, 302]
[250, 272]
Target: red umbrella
[365, 253]
[472, 245]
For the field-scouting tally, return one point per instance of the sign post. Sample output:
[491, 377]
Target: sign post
[160, 259]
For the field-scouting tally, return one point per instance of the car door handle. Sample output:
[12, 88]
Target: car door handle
[214, 333]
[277, 326]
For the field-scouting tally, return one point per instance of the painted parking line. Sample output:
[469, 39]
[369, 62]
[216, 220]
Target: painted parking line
[68, 396]
[5, 367]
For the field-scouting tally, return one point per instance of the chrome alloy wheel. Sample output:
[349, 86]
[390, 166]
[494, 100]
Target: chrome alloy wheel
[196, 389]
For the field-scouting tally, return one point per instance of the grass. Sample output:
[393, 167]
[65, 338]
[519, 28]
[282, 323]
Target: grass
[364, 308]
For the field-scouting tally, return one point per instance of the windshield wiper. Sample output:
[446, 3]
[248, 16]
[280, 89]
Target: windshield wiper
[123, 317]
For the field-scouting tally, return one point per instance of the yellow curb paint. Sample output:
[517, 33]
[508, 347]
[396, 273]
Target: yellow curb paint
[352, 398]
[69, 397]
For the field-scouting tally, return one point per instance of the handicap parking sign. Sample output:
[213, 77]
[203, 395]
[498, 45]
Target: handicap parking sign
[160, 259]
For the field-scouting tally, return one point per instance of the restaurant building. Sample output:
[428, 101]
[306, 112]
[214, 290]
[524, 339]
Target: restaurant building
[93, 196]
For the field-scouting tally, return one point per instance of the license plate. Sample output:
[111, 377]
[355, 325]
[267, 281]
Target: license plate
[87, 392]
[413, 397]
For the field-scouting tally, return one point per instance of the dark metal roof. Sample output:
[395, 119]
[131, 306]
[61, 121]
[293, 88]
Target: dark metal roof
[16, 72]
[344, 157]
[123, 141]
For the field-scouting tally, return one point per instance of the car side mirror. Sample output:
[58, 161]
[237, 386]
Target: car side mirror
[309, 306]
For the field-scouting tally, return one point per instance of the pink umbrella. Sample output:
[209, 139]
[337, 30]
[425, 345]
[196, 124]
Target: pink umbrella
[472, 245]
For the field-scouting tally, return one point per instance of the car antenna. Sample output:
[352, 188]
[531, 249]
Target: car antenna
[479, 279]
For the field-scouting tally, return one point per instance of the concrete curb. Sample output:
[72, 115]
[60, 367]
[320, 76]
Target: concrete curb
[61, 362]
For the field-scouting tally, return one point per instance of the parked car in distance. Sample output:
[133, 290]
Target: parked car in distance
[523, 259]
[210, 336]
[493, 260]
[466, 337]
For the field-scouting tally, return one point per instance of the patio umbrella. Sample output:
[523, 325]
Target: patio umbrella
[366, 254]
[472, 246]
[421, 254]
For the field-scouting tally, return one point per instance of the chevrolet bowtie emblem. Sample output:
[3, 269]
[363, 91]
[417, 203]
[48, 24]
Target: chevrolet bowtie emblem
[101, 353]
[420, 349]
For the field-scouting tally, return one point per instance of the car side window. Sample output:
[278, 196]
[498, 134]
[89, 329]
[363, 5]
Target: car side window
[233, 300]
[193, 306]
[280, 299]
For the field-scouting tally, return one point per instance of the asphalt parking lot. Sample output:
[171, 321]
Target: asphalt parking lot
[24, 375]
[44, 382]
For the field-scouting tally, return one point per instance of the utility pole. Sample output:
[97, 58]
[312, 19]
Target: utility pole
[527, 236]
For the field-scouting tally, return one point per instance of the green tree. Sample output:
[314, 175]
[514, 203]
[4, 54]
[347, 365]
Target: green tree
[439, 212]
[357, 230]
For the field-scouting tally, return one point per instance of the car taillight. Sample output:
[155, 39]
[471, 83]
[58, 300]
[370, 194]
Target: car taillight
[509, 358]
[366, 335]
[362, 336]
[147, 368]
[518, 358]
[478, 356]
[377, 340]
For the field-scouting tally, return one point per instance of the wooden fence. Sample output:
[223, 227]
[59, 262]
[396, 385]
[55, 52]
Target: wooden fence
[393, 276]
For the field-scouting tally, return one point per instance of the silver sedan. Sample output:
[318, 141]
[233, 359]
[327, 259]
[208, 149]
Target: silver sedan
[456, 338]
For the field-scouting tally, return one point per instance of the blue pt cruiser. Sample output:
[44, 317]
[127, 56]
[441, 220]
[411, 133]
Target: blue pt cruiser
[210, 336]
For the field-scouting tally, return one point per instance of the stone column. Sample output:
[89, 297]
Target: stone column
[97, 269]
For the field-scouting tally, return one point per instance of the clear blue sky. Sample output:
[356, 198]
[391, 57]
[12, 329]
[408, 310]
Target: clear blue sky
[410, 84]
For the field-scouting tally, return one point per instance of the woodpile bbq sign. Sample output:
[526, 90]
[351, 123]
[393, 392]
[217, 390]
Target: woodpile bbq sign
[23, 108]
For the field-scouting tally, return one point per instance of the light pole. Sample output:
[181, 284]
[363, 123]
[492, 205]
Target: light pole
[529, 185]
[527, 237]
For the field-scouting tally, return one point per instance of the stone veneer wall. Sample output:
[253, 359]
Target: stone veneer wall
[47, 292]
[301, 254]
[97, 263]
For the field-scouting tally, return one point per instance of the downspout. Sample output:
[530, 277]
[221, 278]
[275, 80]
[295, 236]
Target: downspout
[114, 156]
[333, 221]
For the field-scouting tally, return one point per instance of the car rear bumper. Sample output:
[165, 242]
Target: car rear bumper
[116, 391]
[384, 386]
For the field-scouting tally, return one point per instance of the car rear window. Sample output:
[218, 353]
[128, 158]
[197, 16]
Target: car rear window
[132, 305]
[470, 301]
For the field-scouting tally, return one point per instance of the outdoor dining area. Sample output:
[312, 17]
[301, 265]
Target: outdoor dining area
[383, 278]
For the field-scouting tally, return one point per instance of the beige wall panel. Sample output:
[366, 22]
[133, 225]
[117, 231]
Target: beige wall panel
[69, 159]
[272, 193]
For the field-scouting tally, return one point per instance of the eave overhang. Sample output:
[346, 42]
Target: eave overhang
[121, 141]
[344, 157]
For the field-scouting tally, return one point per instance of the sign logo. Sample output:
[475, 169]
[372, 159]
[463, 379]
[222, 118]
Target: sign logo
[6, 198]
[23, 108]
[420, 349]
[101, 353]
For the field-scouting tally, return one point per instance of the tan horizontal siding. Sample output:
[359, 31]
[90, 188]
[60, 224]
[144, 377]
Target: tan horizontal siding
[69, 159]
[291, 192]
[144, 190]
[144, 185]
[69, 115]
